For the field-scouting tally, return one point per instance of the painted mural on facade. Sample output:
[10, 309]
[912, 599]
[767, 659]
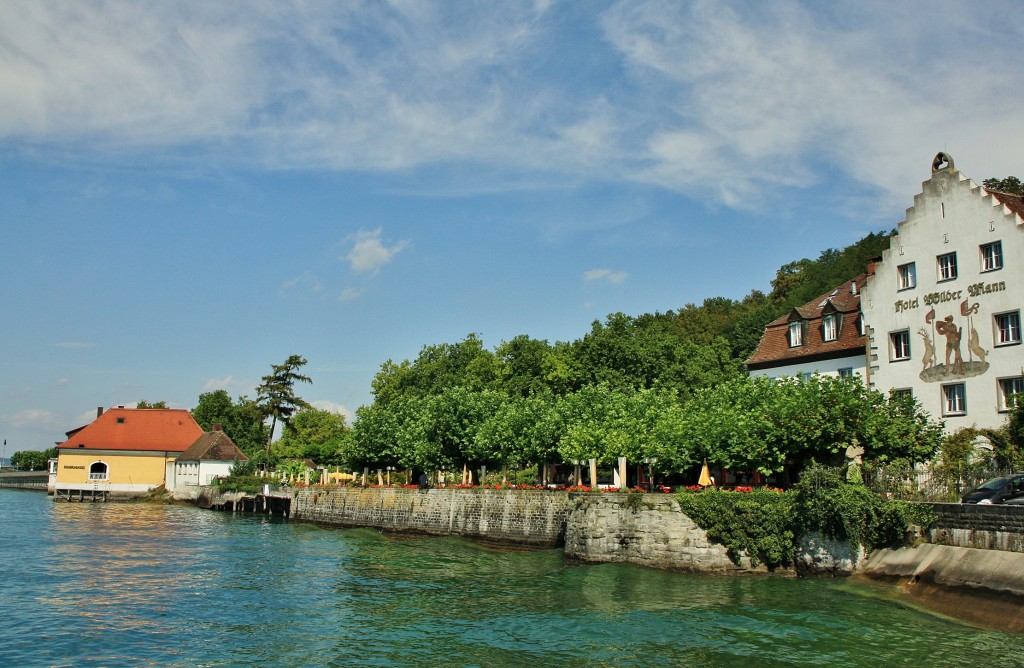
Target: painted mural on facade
[945, 337]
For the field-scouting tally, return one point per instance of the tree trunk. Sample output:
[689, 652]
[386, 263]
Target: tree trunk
[273, 425]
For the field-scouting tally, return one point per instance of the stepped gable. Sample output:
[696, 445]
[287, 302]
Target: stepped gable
[1012, 201]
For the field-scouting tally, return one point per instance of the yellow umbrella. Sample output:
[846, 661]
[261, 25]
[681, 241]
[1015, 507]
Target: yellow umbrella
[705, 476]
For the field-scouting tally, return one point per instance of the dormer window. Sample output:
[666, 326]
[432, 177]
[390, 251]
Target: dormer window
[829, 327]
[796, 334]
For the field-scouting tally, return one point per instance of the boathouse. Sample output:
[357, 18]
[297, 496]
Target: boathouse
[124, 452]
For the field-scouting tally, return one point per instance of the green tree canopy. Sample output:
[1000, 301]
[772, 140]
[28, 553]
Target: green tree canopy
[32, 460]
[242, 421]
[1011, 184]
[315, 434]
[276, 394]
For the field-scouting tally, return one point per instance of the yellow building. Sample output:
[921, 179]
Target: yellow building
[123, 452]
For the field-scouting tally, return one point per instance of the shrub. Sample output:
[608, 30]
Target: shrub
[757, 523]
[826, 504]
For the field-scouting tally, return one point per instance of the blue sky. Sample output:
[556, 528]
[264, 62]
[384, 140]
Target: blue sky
[193, 191]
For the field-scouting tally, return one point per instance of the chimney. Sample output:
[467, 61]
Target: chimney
[217, 426]
[99, 411]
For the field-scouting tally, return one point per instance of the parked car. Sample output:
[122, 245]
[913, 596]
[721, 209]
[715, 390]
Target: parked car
[1004, 489]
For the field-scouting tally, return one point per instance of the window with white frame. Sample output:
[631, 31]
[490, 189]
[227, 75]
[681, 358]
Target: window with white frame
[846, 372]
[1011, 393]
[954, 399]
[98, 471]
[796, 334]
[906, 276]
[829, 328]
[947, 266]
[1007, 328]
[899, 344]
[992, 256]
[901, 393]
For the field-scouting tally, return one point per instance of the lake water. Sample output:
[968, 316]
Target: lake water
[151, 585]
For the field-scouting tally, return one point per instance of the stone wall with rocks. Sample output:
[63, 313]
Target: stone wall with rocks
[650, 531]
[531, 517]
[989, 527]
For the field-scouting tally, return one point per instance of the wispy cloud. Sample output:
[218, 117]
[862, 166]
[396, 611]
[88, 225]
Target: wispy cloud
[32, 418]
[369, 253]
[304, 285]
[340, 409]
[348, 294]
[231, 384]
[606, 275]
[726, 101]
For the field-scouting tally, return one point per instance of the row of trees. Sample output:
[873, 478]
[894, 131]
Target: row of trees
[32, 460]
[742, 424]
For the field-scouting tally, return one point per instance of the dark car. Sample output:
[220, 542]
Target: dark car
[1004, 489]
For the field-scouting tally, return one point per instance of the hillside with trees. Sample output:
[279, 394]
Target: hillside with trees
[669, 387]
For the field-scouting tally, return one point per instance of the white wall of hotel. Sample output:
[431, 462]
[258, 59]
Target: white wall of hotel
[916, 293]
[829, 367]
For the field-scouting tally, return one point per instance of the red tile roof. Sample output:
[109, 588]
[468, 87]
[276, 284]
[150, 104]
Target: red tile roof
[1012, 201]
[774, 349]
[148, 429]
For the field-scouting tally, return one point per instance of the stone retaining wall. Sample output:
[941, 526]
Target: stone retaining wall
[653, 532]
[531, 517]
[989, 527]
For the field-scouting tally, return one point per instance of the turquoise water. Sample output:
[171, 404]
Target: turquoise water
[145, 585]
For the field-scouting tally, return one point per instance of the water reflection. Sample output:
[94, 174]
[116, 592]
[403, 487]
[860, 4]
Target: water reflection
[110, 584]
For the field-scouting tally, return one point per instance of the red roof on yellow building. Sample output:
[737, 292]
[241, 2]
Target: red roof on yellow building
[147, 429]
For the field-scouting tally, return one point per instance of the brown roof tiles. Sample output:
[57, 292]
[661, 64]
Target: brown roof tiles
[774, 349]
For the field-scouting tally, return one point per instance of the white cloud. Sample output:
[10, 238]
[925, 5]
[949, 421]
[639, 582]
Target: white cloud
[340, 409]
[32, 418]
[61, 382]
[729, 102]
[607, 275]
[348, 294]
[232, 385]
[369, 254]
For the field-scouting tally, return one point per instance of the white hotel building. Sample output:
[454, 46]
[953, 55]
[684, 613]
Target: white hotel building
[943, 307]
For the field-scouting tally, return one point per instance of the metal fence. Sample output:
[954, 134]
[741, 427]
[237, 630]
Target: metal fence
[924, 482]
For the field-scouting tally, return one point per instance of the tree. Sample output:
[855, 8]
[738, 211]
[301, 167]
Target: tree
[32, 460]
[313, 434]
[438, 367]
[1011, 184]
[241, 420]
[276, 394]
[156, 404]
